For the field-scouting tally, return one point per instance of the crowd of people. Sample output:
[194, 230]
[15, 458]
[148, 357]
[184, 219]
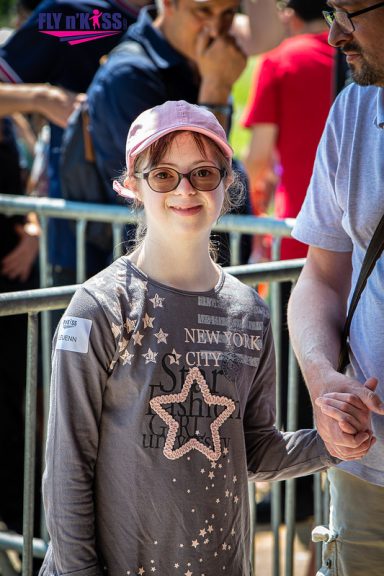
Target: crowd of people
[164, 75]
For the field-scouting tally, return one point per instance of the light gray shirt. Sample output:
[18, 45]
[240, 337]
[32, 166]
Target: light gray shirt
[344, 204]
[162, 408]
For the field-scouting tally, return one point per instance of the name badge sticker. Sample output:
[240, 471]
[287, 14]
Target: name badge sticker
[73, 334]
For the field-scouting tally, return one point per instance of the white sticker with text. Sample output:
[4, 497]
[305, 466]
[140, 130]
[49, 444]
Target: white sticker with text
[73, 334]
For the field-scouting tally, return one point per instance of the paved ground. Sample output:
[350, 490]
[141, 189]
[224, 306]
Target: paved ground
[264, 554]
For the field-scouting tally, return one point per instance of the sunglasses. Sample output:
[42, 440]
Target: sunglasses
[203, 178]
[344, 19]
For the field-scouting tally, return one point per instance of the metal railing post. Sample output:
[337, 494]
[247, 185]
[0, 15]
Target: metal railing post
[30, 444]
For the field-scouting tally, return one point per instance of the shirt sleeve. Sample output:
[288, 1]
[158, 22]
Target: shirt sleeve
[84, 348]
[271, 454]
[322, 220]
[29, 55]
[118, 95]
[263, 105]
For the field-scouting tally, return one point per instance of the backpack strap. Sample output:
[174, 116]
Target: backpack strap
[372, 254]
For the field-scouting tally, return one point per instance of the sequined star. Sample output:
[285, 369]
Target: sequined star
[157, 301]
[224, 546]
[150, 356]
[148, 321]
[194, 375]
[130, 325]
[123, 344]
[141, 571]
[174, 357]
[137, 337]
[126, 357]
[161, 336]
[211, 475]
[194, 543]
[210, 528]
[116, 330]
[203, 532]
[236, 499]
[188, 573]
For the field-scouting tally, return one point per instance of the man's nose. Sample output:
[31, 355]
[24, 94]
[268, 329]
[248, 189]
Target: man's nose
[337, 36]
[215, 26]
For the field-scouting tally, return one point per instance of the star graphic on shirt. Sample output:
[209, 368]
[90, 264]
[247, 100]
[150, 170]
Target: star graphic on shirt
[236, 499]
[130, 325]
[202, 532]
[161, 336]
[211, 475]
[157, 301]
[123, 344]
[194, 375]
[148, 321]
[194, 543]
[174, 357]
[141, 571]
[188, 573]
[126, 357]
[137, 337]
[150, 356]
[116, 330]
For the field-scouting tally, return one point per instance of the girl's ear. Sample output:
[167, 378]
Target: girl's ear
[131, 183]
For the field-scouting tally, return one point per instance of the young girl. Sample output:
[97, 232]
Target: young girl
[163, 397]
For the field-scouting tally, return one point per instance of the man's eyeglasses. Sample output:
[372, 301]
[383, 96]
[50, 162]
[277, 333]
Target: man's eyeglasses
[344, 19]
[203, 178]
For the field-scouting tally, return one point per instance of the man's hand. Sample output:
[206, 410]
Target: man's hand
[220, 61]
[343, 417]
[18, 263]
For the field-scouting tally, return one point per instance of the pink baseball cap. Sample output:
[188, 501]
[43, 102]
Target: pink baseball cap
[155, 122]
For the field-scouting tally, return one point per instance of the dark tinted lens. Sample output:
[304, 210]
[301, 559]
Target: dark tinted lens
[163, 179]
[205, 178]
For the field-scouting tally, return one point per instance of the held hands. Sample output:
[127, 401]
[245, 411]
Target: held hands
[220, 61]
[344, 417]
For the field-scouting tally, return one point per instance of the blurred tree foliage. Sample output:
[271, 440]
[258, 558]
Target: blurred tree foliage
[6, 11]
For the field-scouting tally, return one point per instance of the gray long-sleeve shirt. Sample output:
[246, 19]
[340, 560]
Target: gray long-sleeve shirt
[162, 408]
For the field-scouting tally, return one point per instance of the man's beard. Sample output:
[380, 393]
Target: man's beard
[364, 74]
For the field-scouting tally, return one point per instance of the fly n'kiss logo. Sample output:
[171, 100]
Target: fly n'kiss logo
[81, 26]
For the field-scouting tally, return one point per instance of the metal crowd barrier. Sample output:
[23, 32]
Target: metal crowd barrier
[42, 300]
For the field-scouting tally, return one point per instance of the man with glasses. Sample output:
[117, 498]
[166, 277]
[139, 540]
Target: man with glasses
[343, 206]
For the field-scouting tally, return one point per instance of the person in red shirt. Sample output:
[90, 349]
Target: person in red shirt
[286, 111]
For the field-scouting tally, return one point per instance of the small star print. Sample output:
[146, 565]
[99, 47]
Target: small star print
[161, 336]
[174, 357]
[150, 356]
[148, 321]
[137, 338]
[157, 301]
